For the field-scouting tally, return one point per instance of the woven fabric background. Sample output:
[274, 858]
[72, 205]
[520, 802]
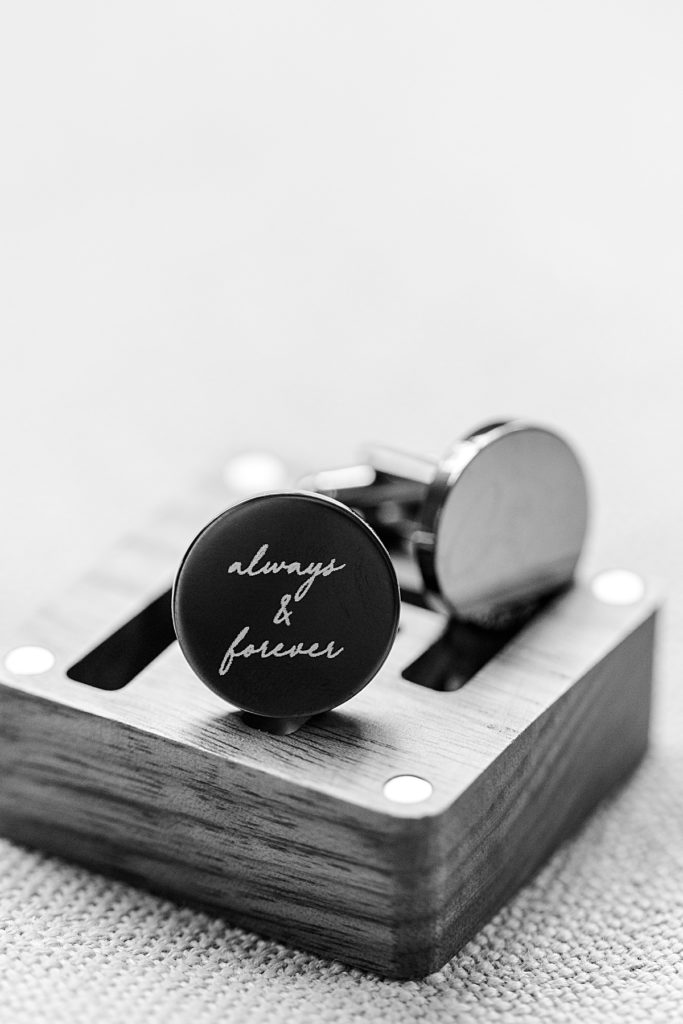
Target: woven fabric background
[300, 227]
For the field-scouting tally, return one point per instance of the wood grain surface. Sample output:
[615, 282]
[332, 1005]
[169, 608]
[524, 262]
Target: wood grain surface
[293, 836]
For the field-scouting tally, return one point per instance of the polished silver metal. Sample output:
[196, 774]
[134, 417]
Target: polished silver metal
[367, 486]
[496, 524]
[503, 522]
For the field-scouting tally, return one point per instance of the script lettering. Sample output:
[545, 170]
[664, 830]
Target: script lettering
[259, 565]
[263, 650]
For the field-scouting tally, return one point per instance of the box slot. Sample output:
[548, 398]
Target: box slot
[129, 650]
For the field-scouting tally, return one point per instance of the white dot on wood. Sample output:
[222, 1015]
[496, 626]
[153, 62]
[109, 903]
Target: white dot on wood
[407, 789]
[29, 661]
[618, 586]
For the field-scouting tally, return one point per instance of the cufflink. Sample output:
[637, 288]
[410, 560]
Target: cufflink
[286, 605]
[495, 525]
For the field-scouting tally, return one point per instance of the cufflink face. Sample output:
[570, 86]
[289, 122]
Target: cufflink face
[286, 604]
[504, 520]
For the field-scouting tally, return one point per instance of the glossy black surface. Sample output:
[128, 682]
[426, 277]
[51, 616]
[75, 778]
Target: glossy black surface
[286, 604]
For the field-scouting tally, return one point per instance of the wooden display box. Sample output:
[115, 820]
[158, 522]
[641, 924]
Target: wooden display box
[162, 783]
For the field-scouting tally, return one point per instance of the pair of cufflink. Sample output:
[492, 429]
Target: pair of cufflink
[287, 604]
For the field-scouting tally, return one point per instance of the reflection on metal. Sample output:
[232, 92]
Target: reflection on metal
[496, 524]
[503, 522]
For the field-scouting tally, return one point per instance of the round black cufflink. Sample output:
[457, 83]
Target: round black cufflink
[496, 524]
[286, 605]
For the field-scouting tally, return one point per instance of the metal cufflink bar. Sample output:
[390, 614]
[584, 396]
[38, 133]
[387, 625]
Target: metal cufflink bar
[390, 828]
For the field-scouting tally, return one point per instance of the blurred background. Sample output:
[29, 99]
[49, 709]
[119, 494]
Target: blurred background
[304, 226]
